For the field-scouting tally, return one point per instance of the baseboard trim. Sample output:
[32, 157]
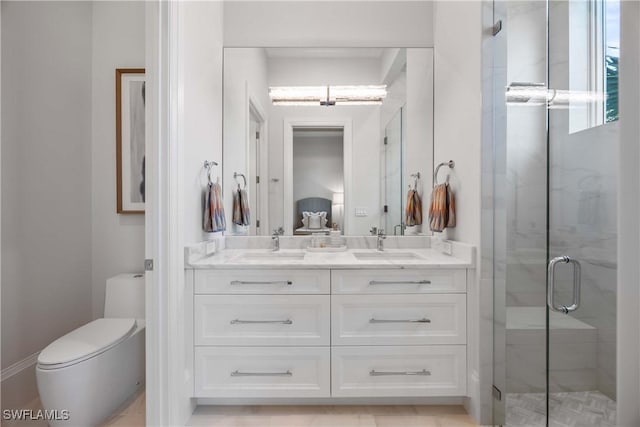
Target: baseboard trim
[19, 366]
[227, 401]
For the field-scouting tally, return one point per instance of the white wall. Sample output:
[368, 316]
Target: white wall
[118, 240]
[199, 138]
[458, 121]
[245, 70]
[328, 23]
[201, 133]
[419, 133]
[46, 180]
[628, 347]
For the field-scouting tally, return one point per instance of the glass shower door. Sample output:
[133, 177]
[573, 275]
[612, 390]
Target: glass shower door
[582, 198]
[555, 251]
[393, 166]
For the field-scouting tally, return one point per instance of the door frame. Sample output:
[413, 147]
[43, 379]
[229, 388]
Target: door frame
[253, 107]
[165, 399]
[347, 135]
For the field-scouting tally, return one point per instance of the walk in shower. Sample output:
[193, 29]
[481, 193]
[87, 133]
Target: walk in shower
[555, 181]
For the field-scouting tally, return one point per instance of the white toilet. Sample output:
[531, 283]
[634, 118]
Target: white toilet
[94, 369]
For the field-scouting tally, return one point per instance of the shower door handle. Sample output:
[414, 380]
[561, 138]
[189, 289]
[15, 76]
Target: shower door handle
[551, 284]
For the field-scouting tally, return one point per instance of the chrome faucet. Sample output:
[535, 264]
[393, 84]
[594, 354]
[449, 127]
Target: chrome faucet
[275, 238]
[381, 237]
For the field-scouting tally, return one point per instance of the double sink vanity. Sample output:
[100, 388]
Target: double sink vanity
[362, 323]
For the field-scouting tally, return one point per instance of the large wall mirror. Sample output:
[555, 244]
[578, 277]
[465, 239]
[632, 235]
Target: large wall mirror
[326, 138]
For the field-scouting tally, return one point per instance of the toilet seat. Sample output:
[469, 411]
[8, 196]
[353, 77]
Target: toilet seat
[85, 342]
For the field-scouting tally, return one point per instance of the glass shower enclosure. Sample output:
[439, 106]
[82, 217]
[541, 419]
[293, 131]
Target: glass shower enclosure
[555, 252]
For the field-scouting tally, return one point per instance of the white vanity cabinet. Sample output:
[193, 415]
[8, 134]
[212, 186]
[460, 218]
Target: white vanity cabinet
[330, 333]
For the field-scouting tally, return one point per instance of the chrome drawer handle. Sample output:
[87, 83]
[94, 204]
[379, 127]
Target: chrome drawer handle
[423, 320]
[375, 373]
[400, 282]
[238, 321]
[274, 282]
[261, 374]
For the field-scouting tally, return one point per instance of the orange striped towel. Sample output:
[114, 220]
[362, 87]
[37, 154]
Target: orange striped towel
[442, 210]
[413, 212]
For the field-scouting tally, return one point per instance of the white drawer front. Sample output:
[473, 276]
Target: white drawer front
[262, 320]
[262, 282]
[262, 372]
[399, 371]
[398, 319]
[398, 281]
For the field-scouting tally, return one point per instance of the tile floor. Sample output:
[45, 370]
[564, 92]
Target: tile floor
[331, 416]
[575, 409]
[132, 414]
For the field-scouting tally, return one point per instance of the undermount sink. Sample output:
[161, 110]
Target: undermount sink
[274, 255]
[386, 255]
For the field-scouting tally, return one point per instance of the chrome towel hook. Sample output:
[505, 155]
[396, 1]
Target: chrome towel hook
[451, 165]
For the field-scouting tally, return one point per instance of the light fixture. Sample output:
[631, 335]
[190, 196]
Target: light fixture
[328, 95]
[338, 199]
[533, 94]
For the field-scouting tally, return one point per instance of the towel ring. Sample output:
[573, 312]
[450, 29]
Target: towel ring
[451, 165]
[244, 178]
[208, 165]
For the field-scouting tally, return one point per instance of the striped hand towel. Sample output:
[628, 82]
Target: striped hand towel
[213, 209]
[442, 211]
[413, 212]
[241, 215]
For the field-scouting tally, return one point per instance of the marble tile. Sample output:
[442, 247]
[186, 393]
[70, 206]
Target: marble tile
[237, 258]
[576, 409]
[131, 413]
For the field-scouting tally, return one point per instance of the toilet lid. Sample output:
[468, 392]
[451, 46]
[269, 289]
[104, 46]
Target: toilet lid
[86, 341]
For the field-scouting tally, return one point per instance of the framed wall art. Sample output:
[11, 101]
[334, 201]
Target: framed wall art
[130, 140]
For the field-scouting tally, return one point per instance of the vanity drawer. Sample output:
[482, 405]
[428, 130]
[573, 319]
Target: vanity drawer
[398, 281]
[262, 320]
[262, 372]
[262, 281]
[398, 319]
[399, 371]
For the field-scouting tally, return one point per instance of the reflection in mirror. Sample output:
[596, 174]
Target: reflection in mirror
[318, 179]
[327, 138]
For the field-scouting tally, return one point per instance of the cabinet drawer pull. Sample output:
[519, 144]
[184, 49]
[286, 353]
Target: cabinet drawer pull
[238, 321]
[423, 320]
[375, 373]
[399, 282]
[261, 374]
[273, 282]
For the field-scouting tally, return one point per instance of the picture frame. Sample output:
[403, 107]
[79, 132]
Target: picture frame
[130, 140]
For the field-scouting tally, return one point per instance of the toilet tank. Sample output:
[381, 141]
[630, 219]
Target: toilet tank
[124, 296]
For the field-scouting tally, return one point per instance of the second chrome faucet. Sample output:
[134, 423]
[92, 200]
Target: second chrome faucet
[275, 238]
[381, 237]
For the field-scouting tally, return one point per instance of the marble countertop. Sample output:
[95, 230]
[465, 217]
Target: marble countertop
[259, 258]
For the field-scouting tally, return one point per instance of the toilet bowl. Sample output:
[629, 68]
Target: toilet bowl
[85, 375]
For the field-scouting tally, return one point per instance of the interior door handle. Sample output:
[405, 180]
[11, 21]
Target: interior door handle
[577, 279]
